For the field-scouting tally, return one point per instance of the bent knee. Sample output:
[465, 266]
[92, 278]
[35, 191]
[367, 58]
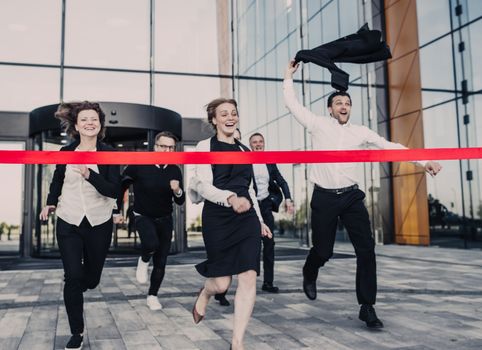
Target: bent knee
[247, 277]
[222, 285]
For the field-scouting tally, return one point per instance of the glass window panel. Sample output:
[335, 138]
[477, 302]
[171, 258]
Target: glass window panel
[349, 16]
[440, 130]
[106, 86]
[292, 8]
[357, 114]
[313, 6]
[430, 98]
[475, 9]
[475, 51]
[314, 32]
[186, 36]
[26, 88]
[477, 118]
[433, 19]
[260, 110]
[293, 44]
[434, 59]
[271, 99]
[271, 70]
[285, 137]
[108, 33]
[270, 24]
[29, 37]
[11, 179]
[281, 20]
[329, 21]
[186, 95]
[260, 32]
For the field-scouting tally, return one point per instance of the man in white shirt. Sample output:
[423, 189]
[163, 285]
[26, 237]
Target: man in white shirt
[336, 193]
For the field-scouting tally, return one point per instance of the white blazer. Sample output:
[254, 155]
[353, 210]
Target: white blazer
[201, 184]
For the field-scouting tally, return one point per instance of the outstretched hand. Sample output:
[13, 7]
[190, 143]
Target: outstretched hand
[433, 168]
[291, 69]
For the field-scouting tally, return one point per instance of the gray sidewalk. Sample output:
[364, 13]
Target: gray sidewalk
[429, 298]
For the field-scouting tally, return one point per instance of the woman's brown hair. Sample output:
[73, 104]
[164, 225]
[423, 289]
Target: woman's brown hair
[68, 113]
[211, 107]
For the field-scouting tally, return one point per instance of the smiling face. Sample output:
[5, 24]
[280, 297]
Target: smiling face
[226, 119]
[340, 109]
[256, 142]
[88, 123]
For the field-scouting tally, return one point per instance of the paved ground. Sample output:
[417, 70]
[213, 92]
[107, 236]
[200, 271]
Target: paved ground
[429, 298]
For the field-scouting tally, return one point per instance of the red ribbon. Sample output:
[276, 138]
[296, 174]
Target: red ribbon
[267, 157]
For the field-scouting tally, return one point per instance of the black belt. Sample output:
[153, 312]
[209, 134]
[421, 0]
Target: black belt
[337, 190]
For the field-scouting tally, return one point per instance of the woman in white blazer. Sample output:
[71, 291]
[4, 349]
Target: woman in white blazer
[231, 220]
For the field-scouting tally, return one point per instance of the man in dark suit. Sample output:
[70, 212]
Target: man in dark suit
[270, 188]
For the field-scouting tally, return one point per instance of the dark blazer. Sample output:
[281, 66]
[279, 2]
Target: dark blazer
[107, 182]
[362, 47]
[277, 187]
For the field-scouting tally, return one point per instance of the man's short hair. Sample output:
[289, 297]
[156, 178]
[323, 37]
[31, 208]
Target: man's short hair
[256, 134]
[337, 93]
[166, 134]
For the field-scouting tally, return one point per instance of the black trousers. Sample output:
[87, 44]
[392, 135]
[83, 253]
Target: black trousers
[265, 207]
[156, 236]
[349, 207]
[83, 250]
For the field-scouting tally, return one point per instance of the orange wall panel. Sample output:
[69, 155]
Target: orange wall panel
[406, 122]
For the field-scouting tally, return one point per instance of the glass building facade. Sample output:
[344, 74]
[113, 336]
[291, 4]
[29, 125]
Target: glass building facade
[269, 33]
[180, 54]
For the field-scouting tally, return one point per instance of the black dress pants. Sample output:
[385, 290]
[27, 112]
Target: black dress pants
[83, 250]
[266, 206]
[156, 236]
[349, 207]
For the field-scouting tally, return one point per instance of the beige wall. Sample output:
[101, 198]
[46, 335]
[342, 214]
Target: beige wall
[224, 47]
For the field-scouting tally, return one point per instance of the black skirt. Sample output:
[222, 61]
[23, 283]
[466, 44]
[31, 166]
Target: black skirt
[232, 241]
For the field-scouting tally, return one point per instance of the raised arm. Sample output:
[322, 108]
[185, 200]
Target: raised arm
[372, 138]
[302, 114]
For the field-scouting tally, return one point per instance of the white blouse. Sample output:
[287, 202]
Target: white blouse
[80, 199]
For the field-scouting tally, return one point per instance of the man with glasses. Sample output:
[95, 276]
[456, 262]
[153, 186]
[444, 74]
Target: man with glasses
[155, 188]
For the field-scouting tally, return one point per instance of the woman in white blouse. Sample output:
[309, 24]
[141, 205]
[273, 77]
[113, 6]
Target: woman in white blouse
[83, 197]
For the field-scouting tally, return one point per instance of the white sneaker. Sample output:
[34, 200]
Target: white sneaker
[141, 271]
[153, 303]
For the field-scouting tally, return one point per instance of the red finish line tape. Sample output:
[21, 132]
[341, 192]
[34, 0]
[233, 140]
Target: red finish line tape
[267, 157]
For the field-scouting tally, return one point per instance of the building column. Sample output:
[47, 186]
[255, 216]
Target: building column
[406, 122]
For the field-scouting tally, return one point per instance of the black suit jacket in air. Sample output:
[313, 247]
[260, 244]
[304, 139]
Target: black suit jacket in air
[362, 47]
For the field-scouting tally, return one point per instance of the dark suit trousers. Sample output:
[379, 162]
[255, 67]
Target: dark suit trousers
[349, 207]
[156, 236]
[83, 250]
[266, 207]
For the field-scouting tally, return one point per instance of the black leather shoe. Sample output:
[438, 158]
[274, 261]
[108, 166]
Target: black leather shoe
[369, 316]
[75, 343]
[268, 287]
[222, 299]
[309, 287]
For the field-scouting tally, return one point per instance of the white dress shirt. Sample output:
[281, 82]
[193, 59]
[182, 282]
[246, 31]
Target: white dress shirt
[261, 176]
[328, 134]
[80, 199]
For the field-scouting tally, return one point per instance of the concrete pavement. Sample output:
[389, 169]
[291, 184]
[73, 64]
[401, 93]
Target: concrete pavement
[429, 298]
